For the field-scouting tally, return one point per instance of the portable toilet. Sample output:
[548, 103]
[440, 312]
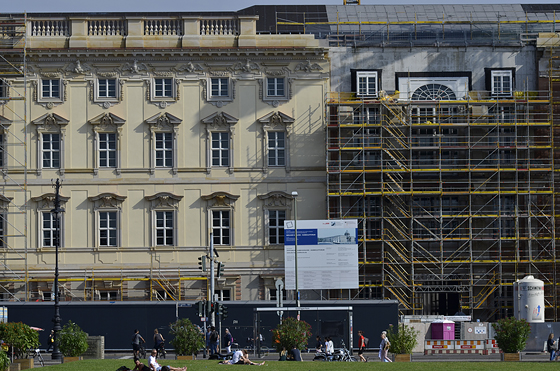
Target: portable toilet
[443, 330]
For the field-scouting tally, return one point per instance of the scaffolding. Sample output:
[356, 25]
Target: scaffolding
[455, 199]
[13, 158]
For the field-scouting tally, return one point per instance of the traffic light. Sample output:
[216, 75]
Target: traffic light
[211, 308]
[197, 308]
[202, 263]
[218, 309]
[220, 269]
[224, 312]
[200, 308]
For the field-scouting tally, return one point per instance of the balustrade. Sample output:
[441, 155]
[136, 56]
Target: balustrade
[106, 27]
[215, 27]
[50, 28]
[163, 27]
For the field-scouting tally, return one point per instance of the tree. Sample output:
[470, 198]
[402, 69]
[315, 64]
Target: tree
[20, 337]
[290, 333]
[403, 338]
[188, 338]
[4, 361]
[512, 334]
[72, 340]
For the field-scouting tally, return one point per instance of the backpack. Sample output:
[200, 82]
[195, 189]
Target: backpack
[366, 342]
[387, 345]
[214, 336]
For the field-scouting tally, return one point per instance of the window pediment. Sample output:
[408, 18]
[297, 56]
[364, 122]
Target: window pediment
[277, 120]
[107, 122]
[46, 201]
[5, 123]
[277, 199]
[50, 122]
[5, 202]
[220, 199]
[107, 200]
[219, 120]
[163, 122]
[164, 199]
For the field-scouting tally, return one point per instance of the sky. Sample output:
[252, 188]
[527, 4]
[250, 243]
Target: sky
[54, 6]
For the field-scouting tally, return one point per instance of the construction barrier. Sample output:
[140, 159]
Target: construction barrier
[461, 347]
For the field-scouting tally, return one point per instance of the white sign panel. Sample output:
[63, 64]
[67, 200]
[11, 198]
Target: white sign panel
[327, 254]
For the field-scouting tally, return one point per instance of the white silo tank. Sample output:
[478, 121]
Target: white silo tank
[528, 300]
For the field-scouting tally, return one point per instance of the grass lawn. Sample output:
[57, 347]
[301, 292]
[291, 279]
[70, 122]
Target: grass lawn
[205, 365]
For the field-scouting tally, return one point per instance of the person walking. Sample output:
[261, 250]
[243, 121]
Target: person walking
[50, 341]
[384, 347]
[552, 347]
[136, 339]
[228, 341]
[361, 346]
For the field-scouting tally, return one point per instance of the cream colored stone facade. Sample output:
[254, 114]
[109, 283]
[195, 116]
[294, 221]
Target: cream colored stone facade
[167, 120]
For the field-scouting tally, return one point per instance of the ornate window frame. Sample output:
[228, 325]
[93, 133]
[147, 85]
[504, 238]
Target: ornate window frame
[163, 201]
[45, 204]
[221, 201]
[50, 123]
[219, 122]
[219, 100]
[107, 202]
[502, 74]
[4, 132]
[111, 124]
[276, 121]
[4, 206]
[163, 123]
[163, 101]
[275, 200]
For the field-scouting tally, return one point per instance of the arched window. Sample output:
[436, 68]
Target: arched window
[433, 92]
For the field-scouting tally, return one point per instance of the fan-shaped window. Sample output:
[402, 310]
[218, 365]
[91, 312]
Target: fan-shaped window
[433, 92]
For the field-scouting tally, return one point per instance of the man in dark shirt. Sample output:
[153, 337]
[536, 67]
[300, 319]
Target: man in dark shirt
[296, 354]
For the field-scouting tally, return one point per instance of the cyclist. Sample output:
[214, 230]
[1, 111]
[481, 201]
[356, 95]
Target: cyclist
[136, 339]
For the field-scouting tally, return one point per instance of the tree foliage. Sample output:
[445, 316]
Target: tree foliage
[4, 361]
[511, 334]
[188, 338]
[72, 340]
[291, 332]
[403, 338]
[19, 336]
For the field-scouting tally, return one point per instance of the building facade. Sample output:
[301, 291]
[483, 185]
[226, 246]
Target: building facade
[162, 130]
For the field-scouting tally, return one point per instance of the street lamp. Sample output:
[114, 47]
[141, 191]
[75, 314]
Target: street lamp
[294, 195]
[56, 211]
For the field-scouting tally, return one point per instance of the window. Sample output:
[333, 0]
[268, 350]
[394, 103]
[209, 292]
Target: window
[223, 294]
[108, 228]
[163, 88]
[220, 149]
[3, 230]
[107, 150]
[221, 227]
[49, 230]
[502, 82]
[3, 89]
[275, 87]
[219, 87]
[51, 150]
[107, 88]
[2, 153]
[366, 83]
[50, 88]
[276, 226]
[276, 148]
[433, 92]
[164, 228]
[273, 293]
[164, 150]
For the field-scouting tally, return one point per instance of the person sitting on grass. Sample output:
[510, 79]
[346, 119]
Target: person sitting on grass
[240, 358]
[139, 366]
[295, 355]
[154, 365]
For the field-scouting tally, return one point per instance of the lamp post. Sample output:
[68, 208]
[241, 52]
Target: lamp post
[294, 195]
[56, 319]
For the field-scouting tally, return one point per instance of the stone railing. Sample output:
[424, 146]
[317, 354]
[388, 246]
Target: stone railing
[91, 32]
[219, 26]
[106, 27]
[163, 27]
[48, 28]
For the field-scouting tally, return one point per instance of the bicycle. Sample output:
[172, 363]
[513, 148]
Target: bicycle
[37, 356]
[161, 353]
[142, 351]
